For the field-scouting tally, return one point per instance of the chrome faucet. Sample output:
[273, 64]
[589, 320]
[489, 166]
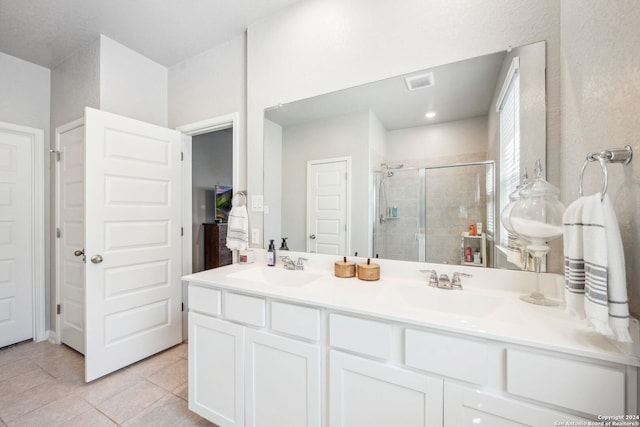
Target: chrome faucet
[443, 281]
[290, 264]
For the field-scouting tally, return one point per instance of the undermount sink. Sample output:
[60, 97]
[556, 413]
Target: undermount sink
[276, 276]
[447, 301]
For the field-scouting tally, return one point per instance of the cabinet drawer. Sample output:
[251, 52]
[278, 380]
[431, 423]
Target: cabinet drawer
[295, 320]
[572, 384]
[360, 335]
[453, 357]
[244, 309]
[204, 300]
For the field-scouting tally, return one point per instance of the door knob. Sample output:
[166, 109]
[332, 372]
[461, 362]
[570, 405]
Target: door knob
[96, 259]
[312, 237]
[79, 253]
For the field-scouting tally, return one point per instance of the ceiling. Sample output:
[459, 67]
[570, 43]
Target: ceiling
[461, 90]
[166, 31]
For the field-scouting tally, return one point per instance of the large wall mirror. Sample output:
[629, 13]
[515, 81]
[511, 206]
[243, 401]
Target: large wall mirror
[401, 168]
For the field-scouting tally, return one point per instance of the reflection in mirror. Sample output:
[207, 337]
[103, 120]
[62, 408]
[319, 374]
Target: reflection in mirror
[402, 167]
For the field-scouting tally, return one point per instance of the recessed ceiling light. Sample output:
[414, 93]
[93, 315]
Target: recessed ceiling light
[430, 114]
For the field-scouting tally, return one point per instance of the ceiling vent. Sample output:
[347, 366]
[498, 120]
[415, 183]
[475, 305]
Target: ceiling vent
[419, 81]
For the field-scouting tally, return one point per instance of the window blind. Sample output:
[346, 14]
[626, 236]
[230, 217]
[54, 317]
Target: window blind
[509, 110]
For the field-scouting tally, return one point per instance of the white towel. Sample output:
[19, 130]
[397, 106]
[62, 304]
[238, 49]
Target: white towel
[238, 227]
[605, 290]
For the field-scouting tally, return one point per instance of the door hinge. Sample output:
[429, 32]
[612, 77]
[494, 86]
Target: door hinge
[182, 306]
[182, 156]
[56, 153]
[58, 234]
[58, 310]
[182, 231]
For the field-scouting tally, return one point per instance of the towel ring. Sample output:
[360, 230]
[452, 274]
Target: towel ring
[590, 158]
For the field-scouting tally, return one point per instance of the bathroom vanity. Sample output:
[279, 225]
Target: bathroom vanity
[274, 347]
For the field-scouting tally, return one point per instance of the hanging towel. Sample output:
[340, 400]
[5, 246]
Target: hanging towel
[574, 258]
[605, 303]
[238, 227]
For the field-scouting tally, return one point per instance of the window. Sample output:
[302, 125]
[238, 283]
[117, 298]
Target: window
[508, 107]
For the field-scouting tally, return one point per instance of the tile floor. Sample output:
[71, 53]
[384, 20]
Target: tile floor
[41, 384]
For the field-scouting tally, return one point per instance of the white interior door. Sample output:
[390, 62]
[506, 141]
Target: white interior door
[132, 241]
[327, 206]
[16, 234]
[70, 234]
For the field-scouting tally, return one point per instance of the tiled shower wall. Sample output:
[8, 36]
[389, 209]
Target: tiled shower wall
[455, 198]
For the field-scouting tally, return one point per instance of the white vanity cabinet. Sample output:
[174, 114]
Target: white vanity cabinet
[373, 394]
[257, 358]
[243, 374]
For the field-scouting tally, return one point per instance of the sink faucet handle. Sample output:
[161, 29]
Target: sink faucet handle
[433, 279]
[300, 263]
[456, 283]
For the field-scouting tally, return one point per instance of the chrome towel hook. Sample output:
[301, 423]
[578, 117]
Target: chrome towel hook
[612, 155]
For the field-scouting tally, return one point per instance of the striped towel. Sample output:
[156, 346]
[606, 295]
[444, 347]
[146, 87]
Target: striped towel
[238, 227]
[602, 264]
[574, 258]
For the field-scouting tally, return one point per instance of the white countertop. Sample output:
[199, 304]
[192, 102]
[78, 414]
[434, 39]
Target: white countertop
[488, 307]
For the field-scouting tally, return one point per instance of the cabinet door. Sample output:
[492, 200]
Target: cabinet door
[367, 393]
[465, 406]
[282, 381]
[216, 363]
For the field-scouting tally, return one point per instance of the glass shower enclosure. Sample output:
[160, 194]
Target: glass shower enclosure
[422, 213]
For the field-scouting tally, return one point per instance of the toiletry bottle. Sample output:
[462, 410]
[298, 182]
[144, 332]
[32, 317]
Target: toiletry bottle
[271, 254]
[283, 246]
[394, 211]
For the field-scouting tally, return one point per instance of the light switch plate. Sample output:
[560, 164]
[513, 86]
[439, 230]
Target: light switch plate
[255, 236]
[257, 203]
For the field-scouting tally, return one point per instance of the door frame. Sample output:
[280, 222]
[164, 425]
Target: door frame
[37, 227]
[189, 130]
[56, 219]
[347, 230]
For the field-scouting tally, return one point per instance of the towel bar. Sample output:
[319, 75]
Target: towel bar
[612, 155]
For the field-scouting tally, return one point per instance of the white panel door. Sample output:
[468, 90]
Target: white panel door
[16, 235]
[367, 393]
[327, 206]
[282, 382]
[70, 241]
[133, 245]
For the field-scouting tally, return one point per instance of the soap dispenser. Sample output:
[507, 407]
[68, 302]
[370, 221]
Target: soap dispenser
[271, 254]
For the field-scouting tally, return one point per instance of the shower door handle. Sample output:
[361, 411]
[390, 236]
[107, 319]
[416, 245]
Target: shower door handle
[312, 237]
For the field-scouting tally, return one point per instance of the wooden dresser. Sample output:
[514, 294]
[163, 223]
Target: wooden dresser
[216, 253]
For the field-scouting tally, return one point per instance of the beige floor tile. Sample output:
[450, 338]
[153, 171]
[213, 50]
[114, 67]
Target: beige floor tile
[17, 367]
[23, 382]
[54, 414]
[92, 417]
[172, 376]
[130, 402]
[170, 411]
[149, 366]
[179, 350]
[10, 354]
[68, 368]
[108, 386]
[14, 406]
[182, 392]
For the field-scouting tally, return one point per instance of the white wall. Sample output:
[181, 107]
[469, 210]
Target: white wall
[600, 109]
[132, 85]
[338, 136]
[319, 46]
[75, 84]
[212, 154]
[440, 140]
[209, 85]
[25, 100]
